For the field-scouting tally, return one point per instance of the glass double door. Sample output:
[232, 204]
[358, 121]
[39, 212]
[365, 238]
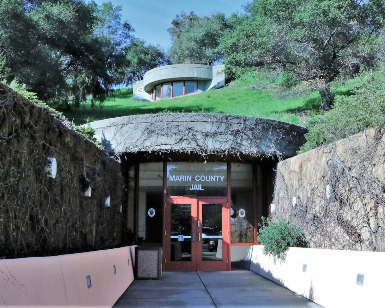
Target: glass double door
[196, 234]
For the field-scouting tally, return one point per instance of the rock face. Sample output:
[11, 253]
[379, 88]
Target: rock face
[199, 133]
[336, 193]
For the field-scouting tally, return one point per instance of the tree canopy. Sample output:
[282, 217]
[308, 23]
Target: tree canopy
[64, 51]
[315, 40]
[142, 57]
[196, 39]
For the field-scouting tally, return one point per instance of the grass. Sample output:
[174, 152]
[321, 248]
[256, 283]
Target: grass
[251, 95]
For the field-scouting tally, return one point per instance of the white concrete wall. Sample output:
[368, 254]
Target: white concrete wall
[330, 277]
[208, 76]
[139, 93]
[240, 256]
[218, 80]
[61, 280]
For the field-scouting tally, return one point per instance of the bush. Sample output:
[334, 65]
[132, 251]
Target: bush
[277, 236]
[287, 80]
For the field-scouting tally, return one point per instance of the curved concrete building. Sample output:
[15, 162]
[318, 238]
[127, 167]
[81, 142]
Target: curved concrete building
[170, 81]
[198, 184]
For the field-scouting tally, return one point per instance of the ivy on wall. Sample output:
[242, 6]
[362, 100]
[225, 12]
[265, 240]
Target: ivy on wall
[42, 216]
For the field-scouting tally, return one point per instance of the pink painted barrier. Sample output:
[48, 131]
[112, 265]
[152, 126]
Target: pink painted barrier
[96, 278]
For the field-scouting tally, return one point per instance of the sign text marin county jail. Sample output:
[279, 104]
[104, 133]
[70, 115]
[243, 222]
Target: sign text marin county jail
[197, 178]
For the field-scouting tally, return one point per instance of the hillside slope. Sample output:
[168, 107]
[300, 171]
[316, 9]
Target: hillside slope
[253, 94]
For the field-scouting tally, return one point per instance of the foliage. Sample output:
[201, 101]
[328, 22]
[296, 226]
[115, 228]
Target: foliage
[141, 58]
[364, 108]
[64, 51]
[277, 236]
[239, 46]
[196, 39]
[88, 132]
[3, 68]
[315, 40]
[287, 80]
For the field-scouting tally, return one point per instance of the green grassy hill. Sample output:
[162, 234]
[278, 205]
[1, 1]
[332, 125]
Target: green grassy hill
[251, 95]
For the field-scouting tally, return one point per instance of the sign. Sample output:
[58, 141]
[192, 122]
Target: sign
[180, 238]
[184, 178]
[151, 212]
[242, 213]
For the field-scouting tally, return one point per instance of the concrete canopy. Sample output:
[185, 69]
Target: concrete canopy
[199, 133]
[176, 72]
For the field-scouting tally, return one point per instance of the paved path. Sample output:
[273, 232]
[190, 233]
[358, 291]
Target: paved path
[210, 289]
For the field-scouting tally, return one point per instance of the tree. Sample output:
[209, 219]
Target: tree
[315, 40]
[239, 46]
[180, 23]
[65, 51]
[142, 57]
[362, 109]
[196, 39]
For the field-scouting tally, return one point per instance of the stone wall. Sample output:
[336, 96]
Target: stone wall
[336, 193]
[41, 215]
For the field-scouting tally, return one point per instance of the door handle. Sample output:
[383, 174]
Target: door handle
[193, 236]
[199, 236]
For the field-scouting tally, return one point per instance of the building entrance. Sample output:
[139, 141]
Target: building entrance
[196, 234]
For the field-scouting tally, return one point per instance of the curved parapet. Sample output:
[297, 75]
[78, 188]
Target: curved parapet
[176, 72]
[172, 76]
[199, 133]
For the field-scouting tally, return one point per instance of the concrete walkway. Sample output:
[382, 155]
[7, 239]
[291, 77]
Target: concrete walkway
[210, 289]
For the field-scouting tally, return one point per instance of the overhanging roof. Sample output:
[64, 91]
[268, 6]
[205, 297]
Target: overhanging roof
[199, 133]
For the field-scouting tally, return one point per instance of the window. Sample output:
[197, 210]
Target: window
[177, 88]
[166, 93]
[242, 204]
[150, 203]
[191, 87]
[158, 91]
[173, 89]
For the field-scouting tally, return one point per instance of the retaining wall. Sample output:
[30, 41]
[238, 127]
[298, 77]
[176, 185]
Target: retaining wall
[62, 280]
[41, 215]
[336, 193]
[331, 278]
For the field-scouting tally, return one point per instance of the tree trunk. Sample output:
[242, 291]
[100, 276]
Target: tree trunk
[326, 97]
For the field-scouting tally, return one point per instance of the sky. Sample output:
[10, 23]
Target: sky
[152, 18]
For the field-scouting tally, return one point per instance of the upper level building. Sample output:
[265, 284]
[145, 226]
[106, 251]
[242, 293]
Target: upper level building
[178, 80]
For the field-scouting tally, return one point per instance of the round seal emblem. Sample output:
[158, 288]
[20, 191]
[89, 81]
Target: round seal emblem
[242, 213]
[151, 212]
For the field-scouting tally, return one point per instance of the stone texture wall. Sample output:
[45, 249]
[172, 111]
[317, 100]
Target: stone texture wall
[42, 216]
[336, 193]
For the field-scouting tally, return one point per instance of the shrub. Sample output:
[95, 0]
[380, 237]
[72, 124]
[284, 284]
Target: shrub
[287, 80]
[277, 236]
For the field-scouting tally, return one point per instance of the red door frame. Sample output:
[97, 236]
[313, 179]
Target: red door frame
[196, 264]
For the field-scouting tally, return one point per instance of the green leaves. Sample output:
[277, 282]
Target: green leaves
[277, 236]
[360, 108]
[142, 57]
[65, 51]
[315, 40]
[196, 39]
